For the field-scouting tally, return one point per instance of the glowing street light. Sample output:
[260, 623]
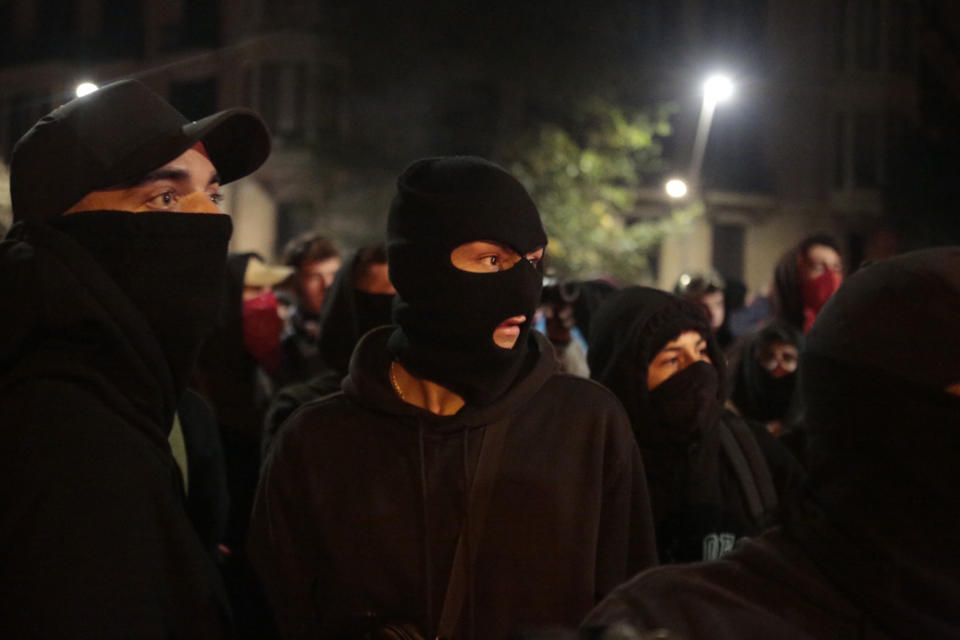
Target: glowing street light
[675, 188]
[717, 88]
[85, 88]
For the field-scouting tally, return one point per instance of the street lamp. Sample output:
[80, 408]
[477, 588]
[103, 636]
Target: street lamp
[717, 88]
[85, 88]
[675, 188]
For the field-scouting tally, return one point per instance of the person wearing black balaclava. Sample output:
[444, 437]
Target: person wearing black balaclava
[870, 549]
[110, 278]
[656, 352]
[765, 376]
[360, 299]
[365, 493]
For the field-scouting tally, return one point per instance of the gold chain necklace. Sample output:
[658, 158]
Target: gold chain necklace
[393, 381]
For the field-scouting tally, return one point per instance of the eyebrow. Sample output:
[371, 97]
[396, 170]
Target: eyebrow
[176, 175]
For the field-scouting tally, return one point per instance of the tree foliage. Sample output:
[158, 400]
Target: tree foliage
[585, 176]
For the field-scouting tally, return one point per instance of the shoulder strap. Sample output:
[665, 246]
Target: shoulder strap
[750, 466]
[480, 493]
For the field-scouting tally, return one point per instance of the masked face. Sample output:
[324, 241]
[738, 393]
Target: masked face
[261, 330]
[169, 264]
[457, 233]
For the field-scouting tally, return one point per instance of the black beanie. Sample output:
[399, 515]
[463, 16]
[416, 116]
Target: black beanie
[447, 316]
[627, 332]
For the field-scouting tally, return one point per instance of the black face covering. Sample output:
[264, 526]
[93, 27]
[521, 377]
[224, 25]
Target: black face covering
[170, 265]
[687, 402]
[447, 316]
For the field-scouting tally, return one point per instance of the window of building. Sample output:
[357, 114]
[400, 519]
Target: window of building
[867, 34]
[840, 11]
[283, 87]
[866, 150]
[840, 151]
[901, 41]
[728, 242]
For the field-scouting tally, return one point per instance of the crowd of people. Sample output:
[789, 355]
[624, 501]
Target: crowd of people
[417, 439]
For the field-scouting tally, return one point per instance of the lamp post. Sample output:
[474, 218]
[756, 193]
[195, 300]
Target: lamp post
[717, 88]
[85, 88]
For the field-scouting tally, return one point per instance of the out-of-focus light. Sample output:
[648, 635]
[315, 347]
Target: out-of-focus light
[85, 88]
[718, 88]
[675, 188]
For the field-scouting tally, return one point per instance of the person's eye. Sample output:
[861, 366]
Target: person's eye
[216, 198]
[492, 261]
[163, 201]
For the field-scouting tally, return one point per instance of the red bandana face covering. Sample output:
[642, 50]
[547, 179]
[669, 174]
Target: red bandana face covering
[816, 292]
[261, 331]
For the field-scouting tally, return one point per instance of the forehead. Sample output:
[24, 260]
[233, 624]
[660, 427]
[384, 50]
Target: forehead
[822, 253]
[687, 338]
[322, 266]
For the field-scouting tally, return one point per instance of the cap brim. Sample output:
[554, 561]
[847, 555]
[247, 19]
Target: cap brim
[236, 140]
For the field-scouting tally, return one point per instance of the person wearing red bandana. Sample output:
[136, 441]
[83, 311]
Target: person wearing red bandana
[804, 279]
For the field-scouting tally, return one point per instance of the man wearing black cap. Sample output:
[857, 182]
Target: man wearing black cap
[109, 280]
[389, 501]
[872, 549]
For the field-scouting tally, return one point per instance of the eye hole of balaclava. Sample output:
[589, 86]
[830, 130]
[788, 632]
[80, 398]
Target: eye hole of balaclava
[484, 256]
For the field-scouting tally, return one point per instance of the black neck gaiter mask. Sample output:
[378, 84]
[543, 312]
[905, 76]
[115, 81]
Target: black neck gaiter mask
[170, 265]
[686, 403]
[447, 316]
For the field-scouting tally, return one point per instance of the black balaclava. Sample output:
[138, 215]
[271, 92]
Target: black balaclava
[756, 393]
[170, 265]
[884, 442]
[446, 316]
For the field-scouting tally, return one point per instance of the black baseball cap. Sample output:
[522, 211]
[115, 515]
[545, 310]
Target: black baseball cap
[115, 135]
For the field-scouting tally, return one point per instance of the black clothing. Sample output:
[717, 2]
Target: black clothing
[361, 503]
[300, 346]
[208, 500]
[699, 501]
[347, 315]
[96, 541]
[765, 588]
[871, 551]
[756, 394]
[446, 316]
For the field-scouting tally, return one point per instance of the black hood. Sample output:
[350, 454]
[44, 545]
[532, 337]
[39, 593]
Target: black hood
[368, 384]
[347, 315]
[757, 395]
[884, 438]
[628, 330]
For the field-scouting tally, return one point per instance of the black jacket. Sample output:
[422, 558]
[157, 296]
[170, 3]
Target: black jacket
[700, 503]
[95, 540]
[362, 497]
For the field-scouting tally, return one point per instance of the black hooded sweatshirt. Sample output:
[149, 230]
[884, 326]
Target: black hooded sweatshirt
[699, 505]
[95, 540]
[362, 500]
[347, 315]
[871, 552]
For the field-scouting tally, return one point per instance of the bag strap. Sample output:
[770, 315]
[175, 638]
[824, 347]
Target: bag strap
[751, 468]
[480, 493]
